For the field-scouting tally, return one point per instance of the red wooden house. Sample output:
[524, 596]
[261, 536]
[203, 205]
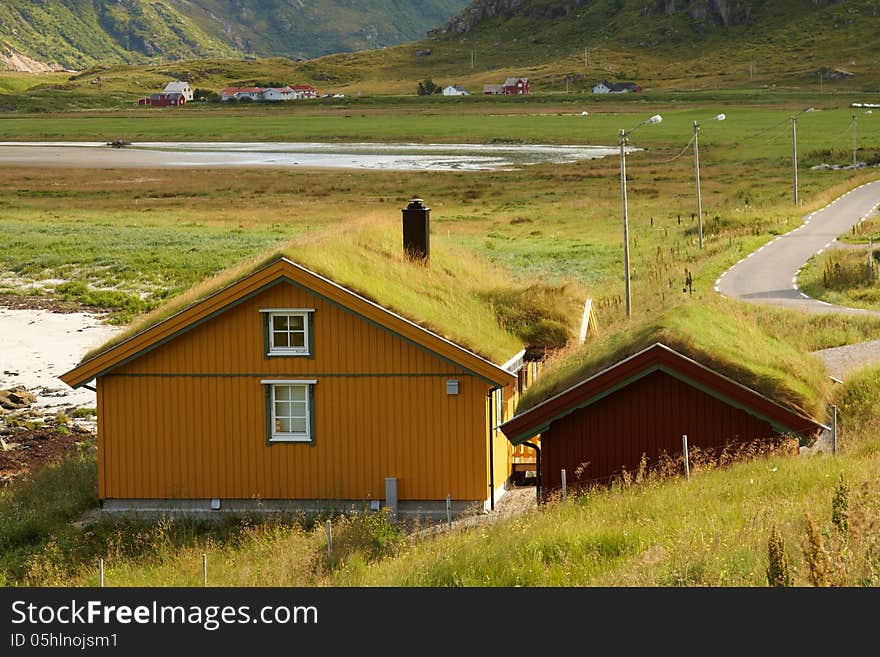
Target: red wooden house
[515, 86]
[643, 405]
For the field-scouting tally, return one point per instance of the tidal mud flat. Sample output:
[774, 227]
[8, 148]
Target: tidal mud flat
[358, 155]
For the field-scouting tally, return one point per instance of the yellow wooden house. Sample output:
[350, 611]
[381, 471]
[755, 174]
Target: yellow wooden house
[286, 390]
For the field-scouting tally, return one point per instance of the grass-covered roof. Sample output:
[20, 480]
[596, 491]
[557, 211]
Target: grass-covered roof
[714, 333]
[458, 295]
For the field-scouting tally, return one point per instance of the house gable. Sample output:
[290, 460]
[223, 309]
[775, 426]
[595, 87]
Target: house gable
[653, 359]
[342, 343]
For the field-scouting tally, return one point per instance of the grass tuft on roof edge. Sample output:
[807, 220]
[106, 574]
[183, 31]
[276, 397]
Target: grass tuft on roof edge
[715, 332]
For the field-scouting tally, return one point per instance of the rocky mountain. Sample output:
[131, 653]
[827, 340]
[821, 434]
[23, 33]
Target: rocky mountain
[702, 14]
[72, 34]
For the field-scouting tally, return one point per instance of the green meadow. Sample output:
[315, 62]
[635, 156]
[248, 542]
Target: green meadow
[128, 240]
[147, 235]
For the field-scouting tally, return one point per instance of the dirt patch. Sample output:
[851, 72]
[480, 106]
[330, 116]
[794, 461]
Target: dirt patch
[24, 451]
[19, 302]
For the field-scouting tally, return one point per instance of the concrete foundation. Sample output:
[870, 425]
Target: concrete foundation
[202, 508]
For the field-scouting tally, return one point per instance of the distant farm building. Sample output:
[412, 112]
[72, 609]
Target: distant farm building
[510, 87]
[455, 90]
[164, 100]
[515, 86]
[268, 94]
[303, 91]
[642, 406]
[605, 87]
[179, 87]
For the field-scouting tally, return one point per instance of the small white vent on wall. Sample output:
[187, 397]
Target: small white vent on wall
[452, 386]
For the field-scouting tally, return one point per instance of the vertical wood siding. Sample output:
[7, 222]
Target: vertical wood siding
[187, 420]
[648, 417]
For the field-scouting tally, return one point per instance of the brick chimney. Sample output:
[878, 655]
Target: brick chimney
[417, 230]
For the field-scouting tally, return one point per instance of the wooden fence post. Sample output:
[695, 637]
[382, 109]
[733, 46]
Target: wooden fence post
[687, 464]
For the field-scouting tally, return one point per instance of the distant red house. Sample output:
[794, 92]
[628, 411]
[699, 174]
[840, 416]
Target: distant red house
[164, 100]
[515, 86]
[643, 405]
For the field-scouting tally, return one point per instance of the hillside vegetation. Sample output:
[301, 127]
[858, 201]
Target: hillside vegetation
[664, 46]
[561, 45]
[73, 34]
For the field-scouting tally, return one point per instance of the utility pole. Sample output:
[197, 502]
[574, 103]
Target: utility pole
[697, 176]
[625, 222]
[624, 210]
[473, 58]
[794, 180]
[854, 138]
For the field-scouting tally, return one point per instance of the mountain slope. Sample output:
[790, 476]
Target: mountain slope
[76, 33]
[80, 33]
[664, 44]
[308, 28]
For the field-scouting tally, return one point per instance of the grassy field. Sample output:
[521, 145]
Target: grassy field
[147, 235]
[750, 133]
[845, 274]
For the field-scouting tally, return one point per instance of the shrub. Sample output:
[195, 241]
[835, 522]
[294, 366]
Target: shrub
[818, 561]
[778, 574]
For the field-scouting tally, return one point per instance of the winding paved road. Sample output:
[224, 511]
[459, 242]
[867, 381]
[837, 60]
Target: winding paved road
[769, 275]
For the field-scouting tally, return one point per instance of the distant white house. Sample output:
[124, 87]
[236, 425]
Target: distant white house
[273, 94]
[179, 87]
[455, 90]
[270, 94]
[605, 87]
[301, 91]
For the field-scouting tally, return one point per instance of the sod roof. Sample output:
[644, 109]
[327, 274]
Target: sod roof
[714, 334]
[458, 295]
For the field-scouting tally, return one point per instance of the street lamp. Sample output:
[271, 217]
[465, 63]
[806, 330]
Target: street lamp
[717, 117]
[623, 136]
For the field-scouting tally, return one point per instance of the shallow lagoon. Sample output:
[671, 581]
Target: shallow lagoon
[390, 157]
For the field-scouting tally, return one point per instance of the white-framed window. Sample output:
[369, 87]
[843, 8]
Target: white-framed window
[288, 332]
[290, 411]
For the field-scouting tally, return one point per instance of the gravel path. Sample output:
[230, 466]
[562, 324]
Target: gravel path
[841, 361]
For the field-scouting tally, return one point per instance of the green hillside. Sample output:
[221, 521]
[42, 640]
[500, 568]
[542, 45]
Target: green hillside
[664, 46]
[77, 33]
[295, 28]
[74, 34]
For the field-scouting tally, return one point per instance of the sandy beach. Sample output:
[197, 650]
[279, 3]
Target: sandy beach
[38, 345]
